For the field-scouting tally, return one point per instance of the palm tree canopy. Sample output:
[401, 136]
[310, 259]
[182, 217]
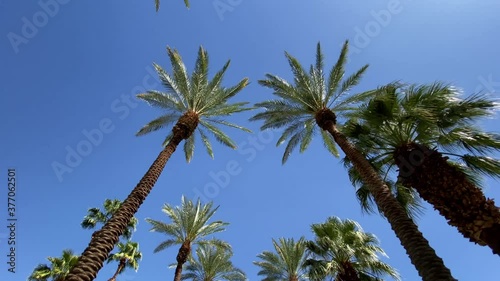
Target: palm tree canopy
[189, 223]
[58, 269]
[128, 251]
[212, 263]
[95, 216]
[340, 242]
[157, 4]
[285, 263]
[431, 115]
[196, 95]
[305, 102]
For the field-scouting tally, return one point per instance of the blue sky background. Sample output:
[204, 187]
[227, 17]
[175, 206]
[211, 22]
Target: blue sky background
[87, 62]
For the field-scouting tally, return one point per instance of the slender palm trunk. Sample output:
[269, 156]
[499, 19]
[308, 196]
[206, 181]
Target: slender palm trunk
[182, 257]
[429, 266]
[456, 198]
[104, 240]
[121, 266]
[293, 278]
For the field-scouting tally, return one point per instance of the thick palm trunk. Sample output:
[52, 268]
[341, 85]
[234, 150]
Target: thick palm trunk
[348, 273]
[456, 198]
[104, 240]
[182, 257]
[121, 266]
[429, 266]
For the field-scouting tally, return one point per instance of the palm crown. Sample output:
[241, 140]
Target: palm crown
[212, 263]
[431, 115]
[128, 252]
[342, 249]
[157, 4]
[308, 99]
[189, 224]
[286, 263]
[205, 101]
[58, 269]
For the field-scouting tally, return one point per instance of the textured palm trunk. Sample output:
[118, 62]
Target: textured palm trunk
[428, 264]
[104, 240]
[456, 198]
[293, 278]
[348, 273]
[182, 257]
[121, 266]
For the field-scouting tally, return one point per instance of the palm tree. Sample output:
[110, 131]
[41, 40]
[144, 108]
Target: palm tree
[97, 216]
[127, 256]
[316, 100]
[189, 226]
[212, 263]
[58, 269]
[286, 263]
[190, 101]
[343, 251]
[157, 4]
[404, 128]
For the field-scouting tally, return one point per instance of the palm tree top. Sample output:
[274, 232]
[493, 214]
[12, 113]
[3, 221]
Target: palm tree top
[311, 99]
[157, 4]
[286, 262]
[128, 251]
[212, 263]
[434, 115]
[340, 242]
[189, 223]
[206, 101]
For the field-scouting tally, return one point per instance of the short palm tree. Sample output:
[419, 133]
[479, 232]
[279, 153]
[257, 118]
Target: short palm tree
[315, 100]
[428, 133]
[286, 263]
[57, 270]
[344, 252]
[157, 4]
[97, 216]
[212, 263]
[189, 225]
[189, 101]
[128, 255]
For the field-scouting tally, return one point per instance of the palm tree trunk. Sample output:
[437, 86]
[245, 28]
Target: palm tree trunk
[121, 266]
[182, 257]
[456, 198]
[348, 273]
[104, 240]
[429, 266]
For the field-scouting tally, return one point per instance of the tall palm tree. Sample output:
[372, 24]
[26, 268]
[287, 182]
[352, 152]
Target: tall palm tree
[286, 263]
[57, 270]
[189, 100]
[127, 256]
[212, 263]
[344, 252]
[313, 99]
[157, 4]
[428, 133]
[189, 226]
[101, 216]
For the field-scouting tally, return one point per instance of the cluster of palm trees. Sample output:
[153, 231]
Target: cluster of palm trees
[401, 142]
[127, 255]
[397, 140]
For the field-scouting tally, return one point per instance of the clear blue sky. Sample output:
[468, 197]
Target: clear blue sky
[86, 60]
